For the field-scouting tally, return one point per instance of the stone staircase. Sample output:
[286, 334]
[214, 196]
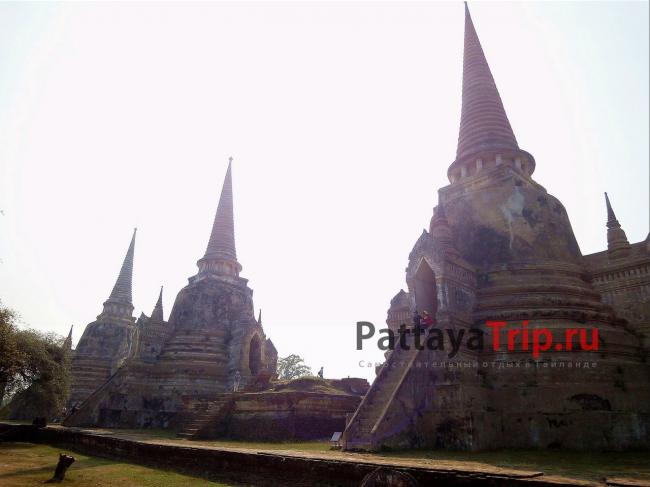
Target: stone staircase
[205, 418]
[86, 413]
[360, 433]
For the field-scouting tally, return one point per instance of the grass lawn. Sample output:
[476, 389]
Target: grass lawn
[580, 465]
[168, 436]
[27, 464]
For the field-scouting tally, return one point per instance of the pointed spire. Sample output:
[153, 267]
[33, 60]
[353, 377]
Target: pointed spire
[157, 313]
[119, 303]
[617, 244]
[483, 122]
[220, 256]
[67, 344]
[259, 317]
[222, 238]
[142, 319]
[122, 289]
[484, 126]
[611, 217]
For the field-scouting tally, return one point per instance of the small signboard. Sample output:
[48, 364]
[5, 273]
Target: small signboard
[335, 442]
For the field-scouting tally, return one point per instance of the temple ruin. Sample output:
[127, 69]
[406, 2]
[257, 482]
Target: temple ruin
[107, 342]
[499, 247]
[206, 372]
[143, 373]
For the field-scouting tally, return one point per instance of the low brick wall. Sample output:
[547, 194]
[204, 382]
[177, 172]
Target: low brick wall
[287, 416]
[257, 468]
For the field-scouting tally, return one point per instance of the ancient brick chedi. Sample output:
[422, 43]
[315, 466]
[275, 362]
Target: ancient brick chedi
[107, 342]
[499, 247]
[211, 338]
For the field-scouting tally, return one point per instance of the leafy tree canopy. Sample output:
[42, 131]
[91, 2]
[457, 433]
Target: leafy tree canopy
[11, 357]
[34, 370]
[292, 367]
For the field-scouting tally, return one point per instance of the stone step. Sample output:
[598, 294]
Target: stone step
[196, 422]
[369, 417]
[199, 422]
[369, 420]
[377, 399]
[196, 425]
[375, 407]
[359, 445]
[202, 416]
[365, 415]
[186, 434]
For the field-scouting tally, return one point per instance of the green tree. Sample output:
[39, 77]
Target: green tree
[10, 356]
[34, 370]
[292, 367]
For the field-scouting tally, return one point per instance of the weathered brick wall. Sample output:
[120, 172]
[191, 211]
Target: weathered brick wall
[283, 416]
[264, 468]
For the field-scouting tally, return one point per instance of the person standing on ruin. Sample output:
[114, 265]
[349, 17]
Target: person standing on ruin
[417, 320]
[236, 381]
[427, 320]
[320, 373]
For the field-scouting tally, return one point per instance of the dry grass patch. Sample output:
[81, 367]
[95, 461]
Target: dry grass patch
[571, 464]
[27, 464]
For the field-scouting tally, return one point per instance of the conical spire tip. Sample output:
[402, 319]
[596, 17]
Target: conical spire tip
[610, 211]
[220, 255]
[157, 313]
[122, 289]
[484, 130]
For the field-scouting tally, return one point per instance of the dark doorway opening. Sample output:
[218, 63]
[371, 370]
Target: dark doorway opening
[255, 355]
[426, 298]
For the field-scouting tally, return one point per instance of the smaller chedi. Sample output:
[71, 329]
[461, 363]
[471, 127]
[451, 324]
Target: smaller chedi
[142, 373]
[209, 370]
[108, 341]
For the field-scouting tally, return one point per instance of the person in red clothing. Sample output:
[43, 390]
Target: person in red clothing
[427, 320]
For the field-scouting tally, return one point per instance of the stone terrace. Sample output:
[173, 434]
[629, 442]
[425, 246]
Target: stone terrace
[290, 467]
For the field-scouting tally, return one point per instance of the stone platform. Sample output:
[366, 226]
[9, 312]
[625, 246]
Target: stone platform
[308, 408]
[282, 467]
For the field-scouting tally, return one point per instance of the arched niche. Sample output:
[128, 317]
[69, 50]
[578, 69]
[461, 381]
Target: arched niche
[424, 284]
[255, 355]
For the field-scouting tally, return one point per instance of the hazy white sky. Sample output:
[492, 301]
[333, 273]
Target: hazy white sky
[342, 119]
